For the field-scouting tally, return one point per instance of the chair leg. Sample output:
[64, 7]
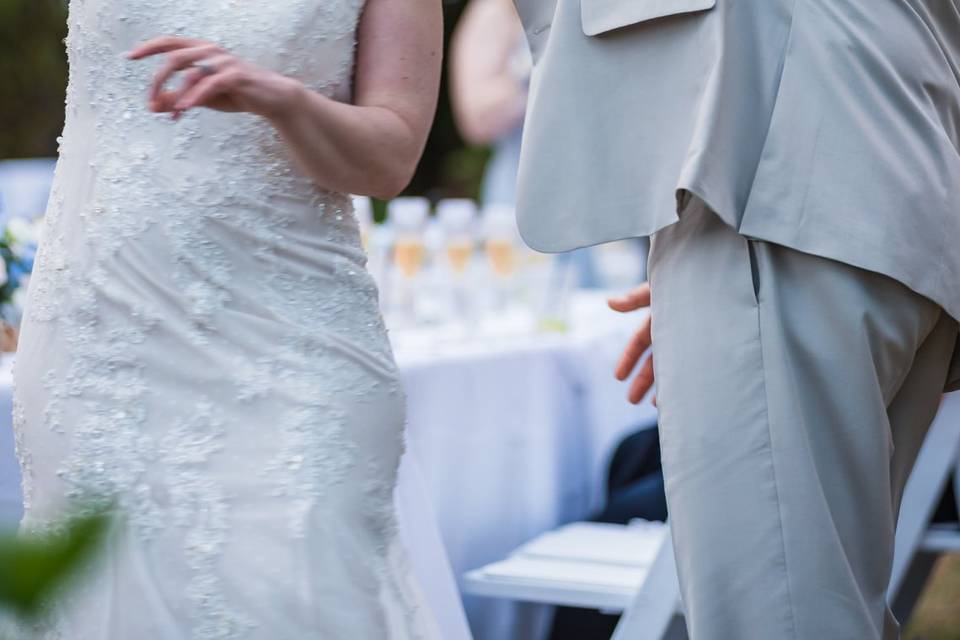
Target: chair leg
[924, 490]
[912, 585]
[956, 483]
[677, 629]
[653, 609]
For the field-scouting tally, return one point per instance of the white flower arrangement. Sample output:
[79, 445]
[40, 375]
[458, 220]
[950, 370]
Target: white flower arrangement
[18, 248]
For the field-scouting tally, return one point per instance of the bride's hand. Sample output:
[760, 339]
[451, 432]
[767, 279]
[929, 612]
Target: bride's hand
[639, 343]
[213, 78]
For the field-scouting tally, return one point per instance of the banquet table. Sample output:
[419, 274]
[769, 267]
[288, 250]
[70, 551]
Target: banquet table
[513, 433]
[510, 430]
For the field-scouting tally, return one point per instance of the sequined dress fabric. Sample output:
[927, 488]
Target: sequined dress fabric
[203, 349]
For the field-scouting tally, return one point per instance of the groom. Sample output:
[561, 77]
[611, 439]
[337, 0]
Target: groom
[797, 165]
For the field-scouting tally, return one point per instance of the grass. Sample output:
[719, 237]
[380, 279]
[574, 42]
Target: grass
[937, 616]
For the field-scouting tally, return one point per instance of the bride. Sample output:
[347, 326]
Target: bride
[202, 345]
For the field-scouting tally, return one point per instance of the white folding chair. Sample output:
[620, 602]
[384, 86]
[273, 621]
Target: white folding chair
[650, 606]
[25, 187]
[428, 559]
[919, 543]
[552, 570]
[657, 602]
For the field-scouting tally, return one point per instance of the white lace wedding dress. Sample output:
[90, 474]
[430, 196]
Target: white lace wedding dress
[203, 347]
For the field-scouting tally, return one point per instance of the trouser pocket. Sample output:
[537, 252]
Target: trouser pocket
[754, 267]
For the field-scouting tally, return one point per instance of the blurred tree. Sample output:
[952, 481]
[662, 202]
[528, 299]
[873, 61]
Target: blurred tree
[33, 76]
[449, 167]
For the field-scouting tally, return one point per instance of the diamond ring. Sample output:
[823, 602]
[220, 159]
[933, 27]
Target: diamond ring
[205, 67]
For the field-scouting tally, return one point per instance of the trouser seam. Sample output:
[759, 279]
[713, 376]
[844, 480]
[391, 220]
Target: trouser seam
[773, 464]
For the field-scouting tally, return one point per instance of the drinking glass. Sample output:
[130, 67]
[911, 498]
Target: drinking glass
[457, 220]
[408, 216]
[501, 241]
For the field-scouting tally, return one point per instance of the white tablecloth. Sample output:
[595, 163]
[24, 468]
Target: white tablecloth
[509, 437]
[513, 437]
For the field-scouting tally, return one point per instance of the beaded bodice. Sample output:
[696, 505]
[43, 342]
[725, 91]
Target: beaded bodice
[311, 40]
[196, 238]
[213, 193]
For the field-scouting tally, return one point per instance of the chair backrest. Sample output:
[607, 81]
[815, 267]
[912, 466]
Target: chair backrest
[25, 187]
[652, 610]
[427, 555]
[937, 458]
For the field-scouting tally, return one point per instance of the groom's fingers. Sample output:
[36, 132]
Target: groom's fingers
[636, 347]
[642, 383]
[636, 299]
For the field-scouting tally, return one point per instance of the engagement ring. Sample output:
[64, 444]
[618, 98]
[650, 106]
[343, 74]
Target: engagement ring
[205, 67]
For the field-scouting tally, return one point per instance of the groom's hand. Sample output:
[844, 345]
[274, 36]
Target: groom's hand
[639, 344]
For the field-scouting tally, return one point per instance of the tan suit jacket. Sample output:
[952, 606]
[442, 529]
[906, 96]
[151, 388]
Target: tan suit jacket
[829, 126]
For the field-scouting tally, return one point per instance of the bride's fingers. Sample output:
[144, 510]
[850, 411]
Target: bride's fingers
[166, 101]
[209, 88]
[163, 44]
[169, 99]
[191, 79]
[636, 299]
[642, 383]
[636, 347]
[177, 61]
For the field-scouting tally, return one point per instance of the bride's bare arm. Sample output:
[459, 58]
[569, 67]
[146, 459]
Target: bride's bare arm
[370, 147]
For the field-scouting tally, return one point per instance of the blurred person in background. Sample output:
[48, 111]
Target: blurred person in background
[489, 76]
[490, 66]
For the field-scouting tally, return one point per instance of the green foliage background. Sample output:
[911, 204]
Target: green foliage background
[33, 75]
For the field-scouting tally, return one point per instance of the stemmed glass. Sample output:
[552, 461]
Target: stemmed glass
[408, 217]
[500, 245]
[457, 220]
